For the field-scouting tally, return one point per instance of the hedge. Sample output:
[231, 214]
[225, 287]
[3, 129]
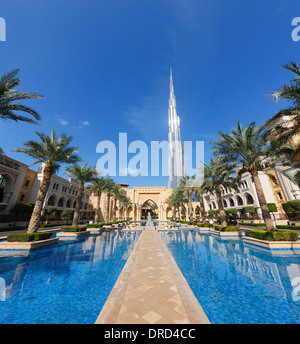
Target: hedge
[273, 235]
[226, 228]
[204, 225]
[74, 229]
[23, 208]
[232, 211]
[288, 227]
[96, 225]
[249, 209]
[288, 208]
[295, 204]
[26, 237]
[272, 207]
[252, 224]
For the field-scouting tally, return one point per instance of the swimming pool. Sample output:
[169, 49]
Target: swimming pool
[65, 283]
[235, 283]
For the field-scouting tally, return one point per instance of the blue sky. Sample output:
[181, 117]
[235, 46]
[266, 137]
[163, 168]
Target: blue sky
[103, 67]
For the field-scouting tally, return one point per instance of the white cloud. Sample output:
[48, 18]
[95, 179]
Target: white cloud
[62, 121]
[84, 122]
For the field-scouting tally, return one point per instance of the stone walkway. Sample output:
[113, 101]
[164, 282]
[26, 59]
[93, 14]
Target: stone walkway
[151, 289]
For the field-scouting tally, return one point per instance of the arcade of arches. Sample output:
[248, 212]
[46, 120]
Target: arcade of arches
[144, 199]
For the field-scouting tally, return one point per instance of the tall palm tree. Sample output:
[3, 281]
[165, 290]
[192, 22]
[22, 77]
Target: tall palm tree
[248, 149]
[215, 176]
[116, 194]
[123, 198]
[83, 174]
[98, 187]
[285, 126]
[179, 199]
[109, 192]
[126, 201]
[52, 152]
[9, 96]
[186, 184]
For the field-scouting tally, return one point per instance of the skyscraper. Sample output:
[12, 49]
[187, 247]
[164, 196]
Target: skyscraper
[176, 154]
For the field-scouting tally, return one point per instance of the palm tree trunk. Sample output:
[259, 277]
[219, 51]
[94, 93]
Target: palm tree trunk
[38, 207]
[190, 207]
[107, 208]
[220, 206]
[97, 207]
[262, 201]
[78, 205]
[201, 204]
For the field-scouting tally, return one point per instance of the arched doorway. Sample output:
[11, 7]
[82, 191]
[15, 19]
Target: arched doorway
[149, 207]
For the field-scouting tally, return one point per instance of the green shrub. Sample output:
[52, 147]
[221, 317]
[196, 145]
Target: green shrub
[226, 228]
[272, 207]
[295, 204]
[232, 211]
[204, 225]
[74, 229]
[252, 224]
[23, 208]
[211, 212]
[288, 208]
[249, 209]
[26, 237]
[95, 225]
[273, 235]
[288, 227]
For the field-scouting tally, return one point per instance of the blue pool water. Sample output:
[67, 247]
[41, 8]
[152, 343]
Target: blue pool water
[235, 283]
[65, 283]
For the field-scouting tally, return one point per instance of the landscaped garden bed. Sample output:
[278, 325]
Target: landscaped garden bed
[273, 240]
[27, 241]
[26, 237]
[273, 235]
[227, 231]
[73, 232]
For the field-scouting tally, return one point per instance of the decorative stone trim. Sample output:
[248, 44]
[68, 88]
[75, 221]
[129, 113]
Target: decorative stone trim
[26, 246]
[273, 245]
[227, 234]
[72, 234]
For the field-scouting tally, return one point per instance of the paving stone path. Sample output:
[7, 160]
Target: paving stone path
[151, 289]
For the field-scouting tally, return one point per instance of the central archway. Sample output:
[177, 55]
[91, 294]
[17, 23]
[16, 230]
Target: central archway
[151, 207]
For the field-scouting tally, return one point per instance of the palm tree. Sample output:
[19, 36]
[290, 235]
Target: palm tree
[179, 199]
[98, 186]
[109, 192]
[215, 176]
[116, 194]
[186, 184]
[52, 152]
[247, 149]
[123, 199]
[285, 126]
[83, 174]
[126, 201]
[9, 96]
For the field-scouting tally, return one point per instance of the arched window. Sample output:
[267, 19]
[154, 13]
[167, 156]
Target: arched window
[249, 199]
[51, 200]
[60, 202]
[239, 200]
